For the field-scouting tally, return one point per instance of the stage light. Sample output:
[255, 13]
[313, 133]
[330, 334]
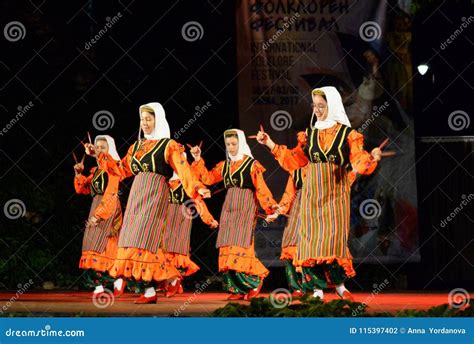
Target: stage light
[423, 68]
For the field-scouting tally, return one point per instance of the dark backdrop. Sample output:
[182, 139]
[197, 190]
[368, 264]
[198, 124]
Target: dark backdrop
[52, 85]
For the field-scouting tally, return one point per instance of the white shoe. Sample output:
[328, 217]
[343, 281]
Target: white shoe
[98, 289]
[150, 292]
[343, 293]
[318, 293]
[118, 283]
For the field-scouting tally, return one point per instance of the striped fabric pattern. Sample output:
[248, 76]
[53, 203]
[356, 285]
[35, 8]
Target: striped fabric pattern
[291, 232]
[95, 237]
[177, 237]
[325, 212]
[145, 216]
[238, 218]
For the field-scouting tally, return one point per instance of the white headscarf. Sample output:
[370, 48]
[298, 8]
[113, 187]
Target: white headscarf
[244, 148]
[336, 112]
[162, 129]
[111, 142]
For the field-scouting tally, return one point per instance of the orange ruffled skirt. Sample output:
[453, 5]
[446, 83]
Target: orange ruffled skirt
[242, 260]
[100, 261]
[288, 253]
[142, 265]
[181, 261]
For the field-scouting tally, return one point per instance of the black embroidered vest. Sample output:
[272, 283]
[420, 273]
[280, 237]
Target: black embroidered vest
[337, 153]
[153, 161]
[178, 195]
[99, 182]
[297, 179]
[241, 178]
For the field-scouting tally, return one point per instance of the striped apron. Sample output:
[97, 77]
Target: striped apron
[178, 235]
[145, 216]
[324, 213]
[238, 218]
[95, 237]
[291, 232]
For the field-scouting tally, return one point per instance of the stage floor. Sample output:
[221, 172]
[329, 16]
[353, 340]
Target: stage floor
[67, 303]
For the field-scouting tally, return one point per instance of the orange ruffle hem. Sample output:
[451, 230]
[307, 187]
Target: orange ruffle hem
[182, 261]
[346, 263]
[100, 261]
[242, 260]
[142, 265]
[288, 253]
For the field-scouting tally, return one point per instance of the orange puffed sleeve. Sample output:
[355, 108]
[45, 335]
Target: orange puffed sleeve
[208, 177]
[113, 167]
[203, 211]
[201, 207]
[82, 183]
[262, 192]
[288, 196]
[352, 175]
[360, 159]
[174, 156]
[291, 159]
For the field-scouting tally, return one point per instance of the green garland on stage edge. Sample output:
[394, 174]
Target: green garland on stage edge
[310, 307]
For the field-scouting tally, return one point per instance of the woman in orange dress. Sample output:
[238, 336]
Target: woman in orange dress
[151, 161]
[99, 245]
[326, 148]
[243, 273]
[177, 237]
